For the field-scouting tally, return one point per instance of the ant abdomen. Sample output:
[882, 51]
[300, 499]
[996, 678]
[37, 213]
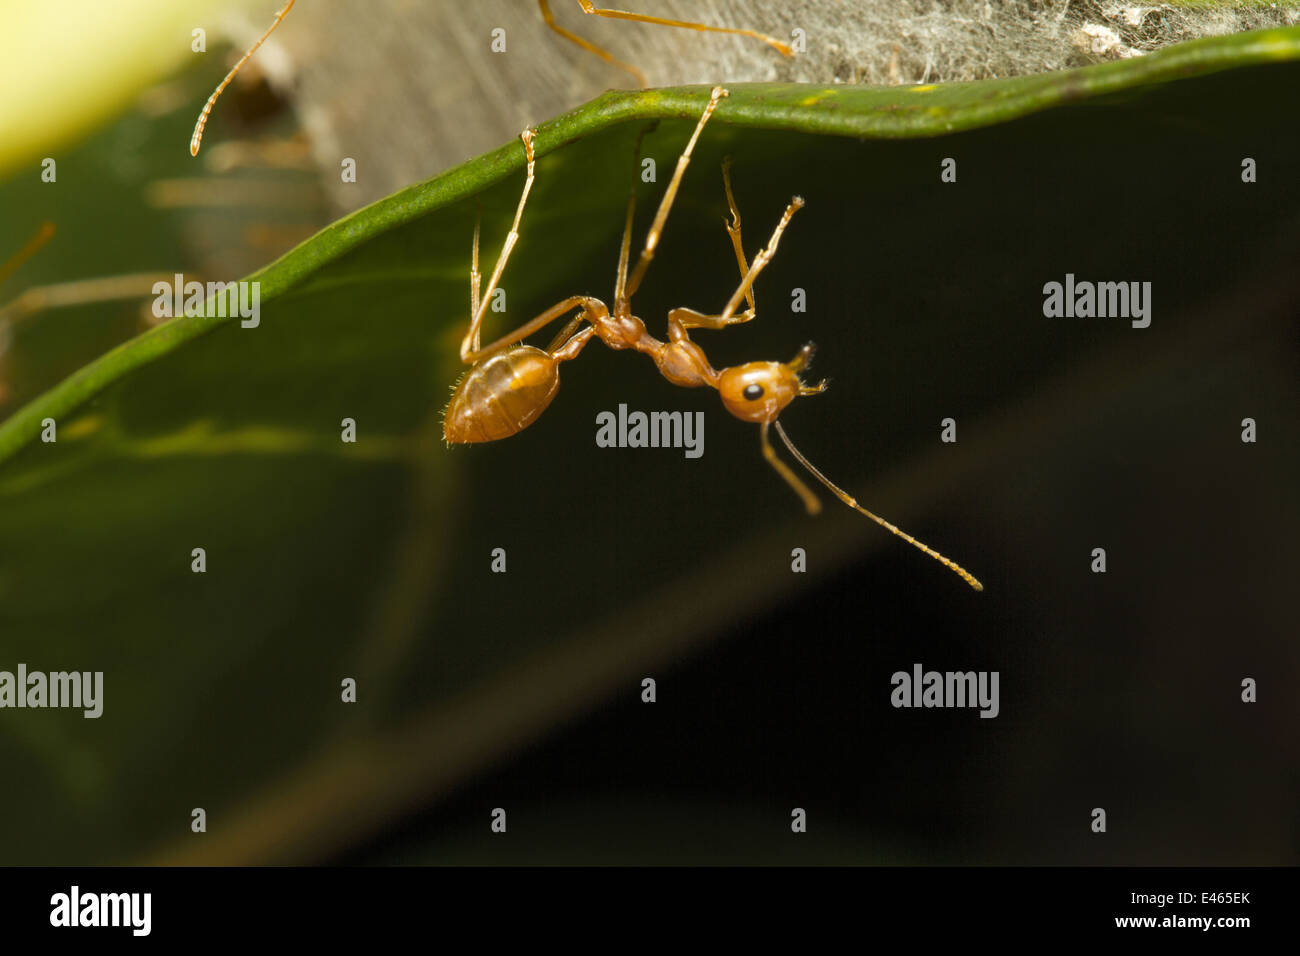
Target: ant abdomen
[501, 396]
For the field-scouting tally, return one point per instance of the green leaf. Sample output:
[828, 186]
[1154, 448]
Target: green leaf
[838, 110]
[371, 560]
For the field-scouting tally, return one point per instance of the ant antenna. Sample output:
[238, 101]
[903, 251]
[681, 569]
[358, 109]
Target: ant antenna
[852, 503]
[42, 236]
[197, 138]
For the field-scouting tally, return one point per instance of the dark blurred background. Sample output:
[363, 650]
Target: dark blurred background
[1119, 690]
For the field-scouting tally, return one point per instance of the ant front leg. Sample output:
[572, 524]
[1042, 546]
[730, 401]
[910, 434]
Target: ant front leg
[760, 262]
[679, 320]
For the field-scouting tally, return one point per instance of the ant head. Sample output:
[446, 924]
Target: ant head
[760, 391]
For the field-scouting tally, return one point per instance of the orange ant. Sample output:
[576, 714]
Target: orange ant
[545, 8]
[510, 384]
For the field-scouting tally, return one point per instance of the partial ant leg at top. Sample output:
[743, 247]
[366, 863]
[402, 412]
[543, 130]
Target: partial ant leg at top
[592, 10]
[590, 47]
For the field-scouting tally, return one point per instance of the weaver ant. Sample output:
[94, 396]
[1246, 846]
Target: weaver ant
[509, 384]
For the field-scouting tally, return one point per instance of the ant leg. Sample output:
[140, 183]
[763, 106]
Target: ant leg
[566, 333]
[810, 501]
[475, 277]
[590, 47]
[681, 319]
[590, 307]
[576, 343]
[590, 8]
[684, 318]
[469, 345]
[666, 204]
[620, 283]
[733, 230]
[760, 261]
[689, 318]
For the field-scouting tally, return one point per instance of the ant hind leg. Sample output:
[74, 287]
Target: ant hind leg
[590, 308]
[475, 277]
[469, 344]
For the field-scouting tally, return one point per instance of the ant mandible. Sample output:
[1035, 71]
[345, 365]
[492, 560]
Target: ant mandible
[509, 384]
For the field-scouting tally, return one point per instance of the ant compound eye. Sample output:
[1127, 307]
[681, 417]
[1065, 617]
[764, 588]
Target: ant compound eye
[753, 392]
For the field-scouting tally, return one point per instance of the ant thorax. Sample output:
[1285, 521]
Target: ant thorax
[623, 331]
